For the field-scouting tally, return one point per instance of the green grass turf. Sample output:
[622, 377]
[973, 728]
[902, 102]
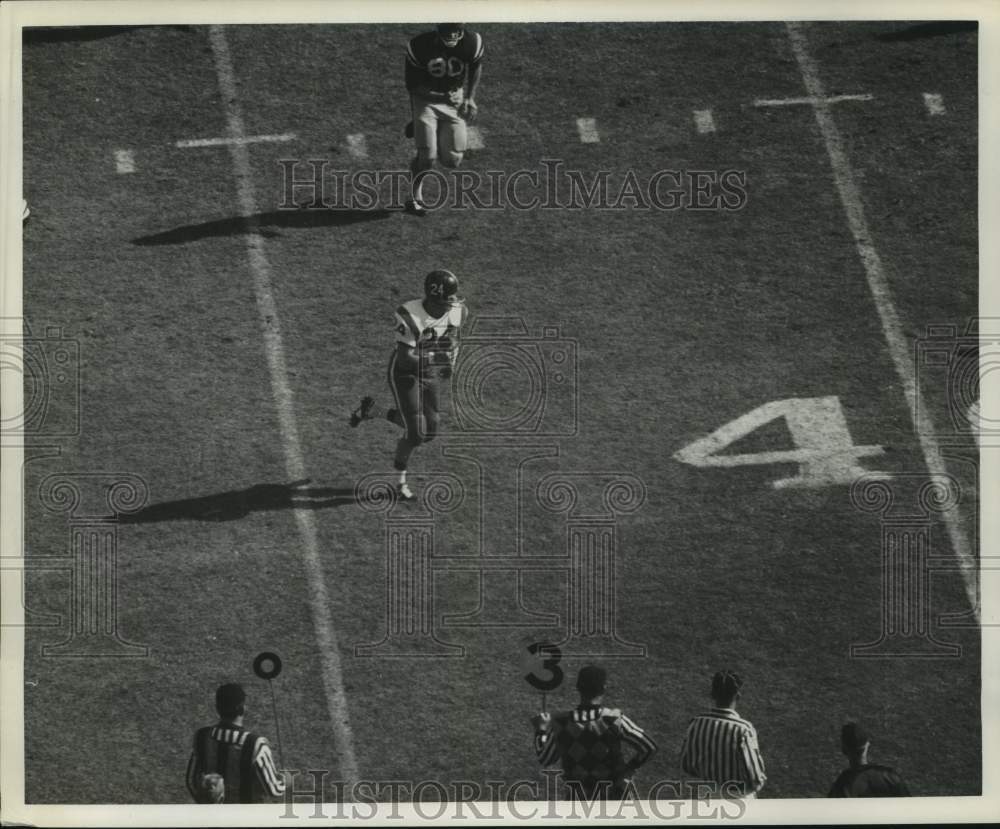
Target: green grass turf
[684, 321]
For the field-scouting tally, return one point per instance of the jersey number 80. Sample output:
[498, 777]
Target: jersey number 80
[439, 67]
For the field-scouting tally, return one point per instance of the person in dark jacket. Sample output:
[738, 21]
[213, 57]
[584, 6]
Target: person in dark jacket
[861, 778]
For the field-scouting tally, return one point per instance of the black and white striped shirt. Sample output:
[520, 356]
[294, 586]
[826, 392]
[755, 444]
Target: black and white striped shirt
[589, 741]
[242, 758]
[721, 747]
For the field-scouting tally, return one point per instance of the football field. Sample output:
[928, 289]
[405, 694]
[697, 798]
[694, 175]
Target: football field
[669, 457]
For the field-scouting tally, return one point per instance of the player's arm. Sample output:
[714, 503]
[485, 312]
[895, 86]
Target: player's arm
[263, 762]
[407, 357]
[753, 764]
[194, 767]
[545, 741]
[643, 745]
[687, 762]
[475, 76]
[452, 343]
[469, 106]
[191, 779]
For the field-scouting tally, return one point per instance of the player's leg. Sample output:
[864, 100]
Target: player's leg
[399, 388]
[408, 414]
[368, 409]
[430, 410]
[453, 136]
[395, 416]
[425, 139]
[365, 410]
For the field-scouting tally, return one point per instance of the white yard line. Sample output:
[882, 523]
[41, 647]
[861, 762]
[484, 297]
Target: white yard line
[343, 761]
[587, 128]
[356, 146]
[810, 99]
[934, 103]
[236, 140]
[704, 121]
[899, 346]
[124, 161]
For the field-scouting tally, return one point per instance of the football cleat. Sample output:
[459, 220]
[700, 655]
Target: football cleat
[404, 493]
[363, 411]
[416, 207]
[408, 129]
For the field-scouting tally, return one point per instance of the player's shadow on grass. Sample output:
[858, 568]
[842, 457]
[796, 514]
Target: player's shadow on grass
[67, 34]
[230, 506]
[262, 223]
[935, 29]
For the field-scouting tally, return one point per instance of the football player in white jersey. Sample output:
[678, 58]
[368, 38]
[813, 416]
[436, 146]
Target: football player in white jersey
[426, 348]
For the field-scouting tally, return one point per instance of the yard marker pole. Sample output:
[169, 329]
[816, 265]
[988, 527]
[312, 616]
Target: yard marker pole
[277, 724]
[267, 665]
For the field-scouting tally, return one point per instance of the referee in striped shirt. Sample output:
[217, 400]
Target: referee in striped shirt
[720, 747]
[230, 764]
[590, 741]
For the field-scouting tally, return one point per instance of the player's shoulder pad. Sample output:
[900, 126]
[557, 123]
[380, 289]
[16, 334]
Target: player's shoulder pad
[613, 713]
[416, 49]
[475, 48]
[412, 309]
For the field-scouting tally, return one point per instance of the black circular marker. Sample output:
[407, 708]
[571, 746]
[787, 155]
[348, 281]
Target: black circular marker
[267, 673]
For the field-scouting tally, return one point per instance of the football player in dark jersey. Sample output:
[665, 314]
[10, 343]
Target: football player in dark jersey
[443, 69]
[427, 333]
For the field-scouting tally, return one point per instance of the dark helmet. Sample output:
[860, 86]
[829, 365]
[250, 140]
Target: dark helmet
[451, 33]
[441, 286]
[591, 681]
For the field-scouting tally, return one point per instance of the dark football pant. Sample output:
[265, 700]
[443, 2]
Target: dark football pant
[416, 412]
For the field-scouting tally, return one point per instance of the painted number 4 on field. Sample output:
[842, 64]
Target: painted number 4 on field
[824, 451]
